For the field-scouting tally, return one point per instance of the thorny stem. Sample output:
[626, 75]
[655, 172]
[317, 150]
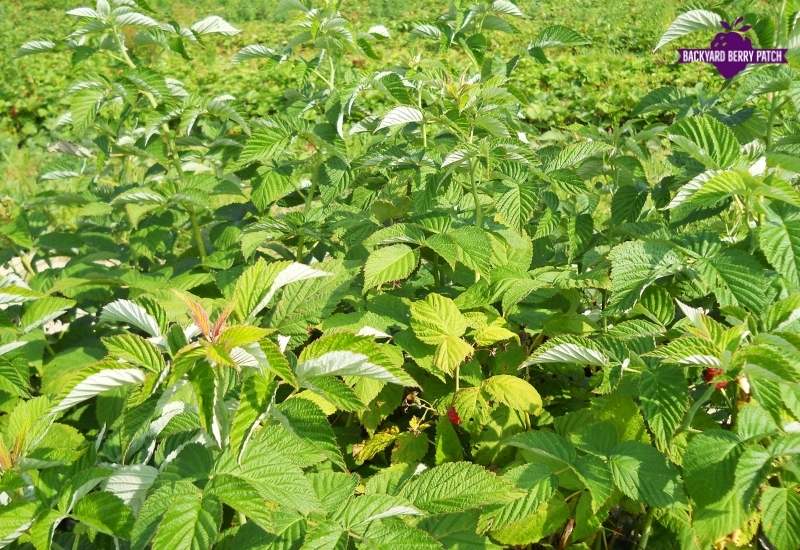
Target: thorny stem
[124, 51]
[647, 528]
[197, 234]
[687, 420]
[773, 112]
[478, 207]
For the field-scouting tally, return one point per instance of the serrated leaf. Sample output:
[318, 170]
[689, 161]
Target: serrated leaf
[780, 516]
[190, 522]
[390, 263]
[15, 519]
[569, 349]
[42, 311]
[635, 265]
[97, 383]
[35, 46]
[437, 321]
[135, 349]
[130, 313]
[513, 392]
[214, 24]
[662, 393]
[642, 473]
[131, 483]
[400, 115]
[779, 239]
[707, 140]
[689, 22]
[105, 513]
[456, 486]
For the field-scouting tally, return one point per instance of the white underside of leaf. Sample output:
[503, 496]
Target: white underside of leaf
[97, 383]
[344, 363]
[130, 313]
[293, 273]
[572, 353]
[5, 348]
[393, 512]
[130, 483]
[700, 359]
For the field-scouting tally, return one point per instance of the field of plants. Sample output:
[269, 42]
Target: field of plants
[372, 274]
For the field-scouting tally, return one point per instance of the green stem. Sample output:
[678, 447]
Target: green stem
[197, 234]
[647, 528]
[478, 207]
[687, 420]
[26, 263]
[773, 110]
[124, 51]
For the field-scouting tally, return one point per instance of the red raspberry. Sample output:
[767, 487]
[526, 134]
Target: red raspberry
[711, 372]
[452, 414]
[721, 385]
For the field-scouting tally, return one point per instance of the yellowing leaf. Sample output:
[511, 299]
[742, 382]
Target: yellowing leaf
[513, 392]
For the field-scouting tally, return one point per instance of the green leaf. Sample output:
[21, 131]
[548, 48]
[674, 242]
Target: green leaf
[663, 395]
[711, 187]
[779, 238]
[258, 284]
[780, 516]
[393, 533]
[242, 497]
[399, 116]
[97, 383]
[456, 486]
[273, 474]
[306, 421]
[191, 522]
[135, 349]
[516, 206]
[549, 447]
[131, 483]
[539, 486]
[689, 22]
[130, 313]
[689, 350]
[709, 468]
[642, 473]
[390, 263]
[42, 311]
[751, 471]
[437, 321]
[266, 143]
[214, 24]
[656, 303]
[569, 349]
[635, 265]
[707, 140]
[513, 392]
[15, 519]
[736, 279]
[448, 446]
[345, 354]
[554, 36]
[208, 391]
[104, 512]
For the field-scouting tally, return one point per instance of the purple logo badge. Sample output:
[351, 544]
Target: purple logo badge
[731, 52]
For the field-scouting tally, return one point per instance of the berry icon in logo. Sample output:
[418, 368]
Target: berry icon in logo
[735, 46]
